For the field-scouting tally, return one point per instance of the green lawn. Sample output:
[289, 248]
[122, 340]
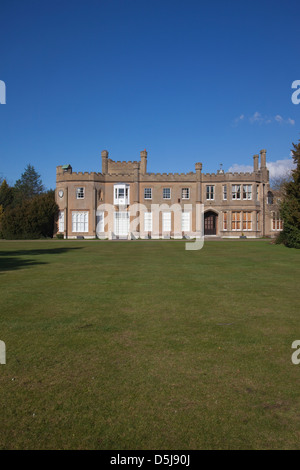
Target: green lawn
[144, 345]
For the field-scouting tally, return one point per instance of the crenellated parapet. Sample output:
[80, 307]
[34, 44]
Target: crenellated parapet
[135, 171]
[121, 167]
[230, 177]
[168, 177]
[64, 174]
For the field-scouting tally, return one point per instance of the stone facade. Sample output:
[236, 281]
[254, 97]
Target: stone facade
[124, 201]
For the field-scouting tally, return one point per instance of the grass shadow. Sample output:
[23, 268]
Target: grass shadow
[11, 260]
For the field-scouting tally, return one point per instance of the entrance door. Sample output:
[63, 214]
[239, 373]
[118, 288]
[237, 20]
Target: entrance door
[121, 224]
[210, 223]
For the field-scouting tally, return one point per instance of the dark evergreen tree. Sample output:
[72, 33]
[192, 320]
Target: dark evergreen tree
[29, 185]
[6, 195]
[33, 218]
[290, 207]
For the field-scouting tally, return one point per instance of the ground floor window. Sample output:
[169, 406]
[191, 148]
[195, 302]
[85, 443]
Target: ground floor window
[277, 223]
[247, 221]
[185, 222]
[61, 221]
[241, 220]
[99, 222]
[148, 221]
[225, 221]
[121, 223]
[166, 221]
[80, 221]
[236, 221]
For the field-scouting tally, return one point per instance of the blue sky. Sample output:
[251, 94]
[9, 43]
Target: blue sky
[187, 80]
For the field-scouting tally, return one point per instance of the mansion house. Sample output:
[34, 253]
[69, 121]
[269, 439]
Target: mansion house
[124, 201]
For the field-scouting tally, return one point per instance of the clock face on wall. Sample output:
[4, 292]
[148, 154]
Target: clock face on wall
[60, 193]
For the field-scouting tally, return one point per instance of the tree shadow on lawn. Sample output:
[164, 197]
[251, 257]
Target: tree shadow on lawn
[10, 260]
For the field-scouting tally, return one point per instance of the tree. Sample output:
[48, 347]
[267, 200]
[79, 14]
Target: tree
[1, 218]
[33, 218]
[290, 207]
[29, 185]
[6, 195]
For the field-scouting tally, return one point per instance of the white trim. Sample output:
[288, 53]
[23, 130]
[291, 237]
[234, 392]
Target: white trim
[80, 221]
[61, 221]
[166, 221]
[148, 222]
[168, 198]
[185, 222]
[99, 222]
[121, 223]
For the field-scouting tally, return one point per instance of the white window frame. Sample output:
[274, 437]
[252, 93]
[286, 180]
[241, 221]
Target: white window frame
[185, 221]
[120, 200]
[164, 194]
[225, 221]
[80, 221]
[147, 196]
[185, 191]
[80, 192]
[148, 223]
[210, 192]
[236, 222]
[277, 221]
[235, 192]
[61, 221]
[224, 192]
[166, 221]
[100, 222]
[120, 214]
[247, 221]
[247, 190]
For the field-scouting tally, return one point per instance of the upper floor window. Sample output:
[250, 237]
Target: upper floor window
[270, 198]
[121, 194]
[167, 193]
[247, 191]
[79, 193]
[236, 191]
[210, 192]
[185, 193]
[225, 192]
[148, 193]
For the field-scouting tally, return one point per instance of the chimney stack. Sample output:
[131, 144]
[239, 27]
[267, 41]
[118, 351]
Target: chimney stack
[255, 162]
[263, 159]
[143, 167]
[104, 155]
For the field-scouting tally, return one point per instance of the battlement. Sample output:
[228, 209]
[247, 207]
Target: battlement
[169, 177]
[137, 171]
[229, 176]
[121, 167]
[65, 173]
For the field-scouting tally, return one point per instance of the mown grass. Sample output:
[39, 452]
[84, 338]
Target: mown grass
[144, 345]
